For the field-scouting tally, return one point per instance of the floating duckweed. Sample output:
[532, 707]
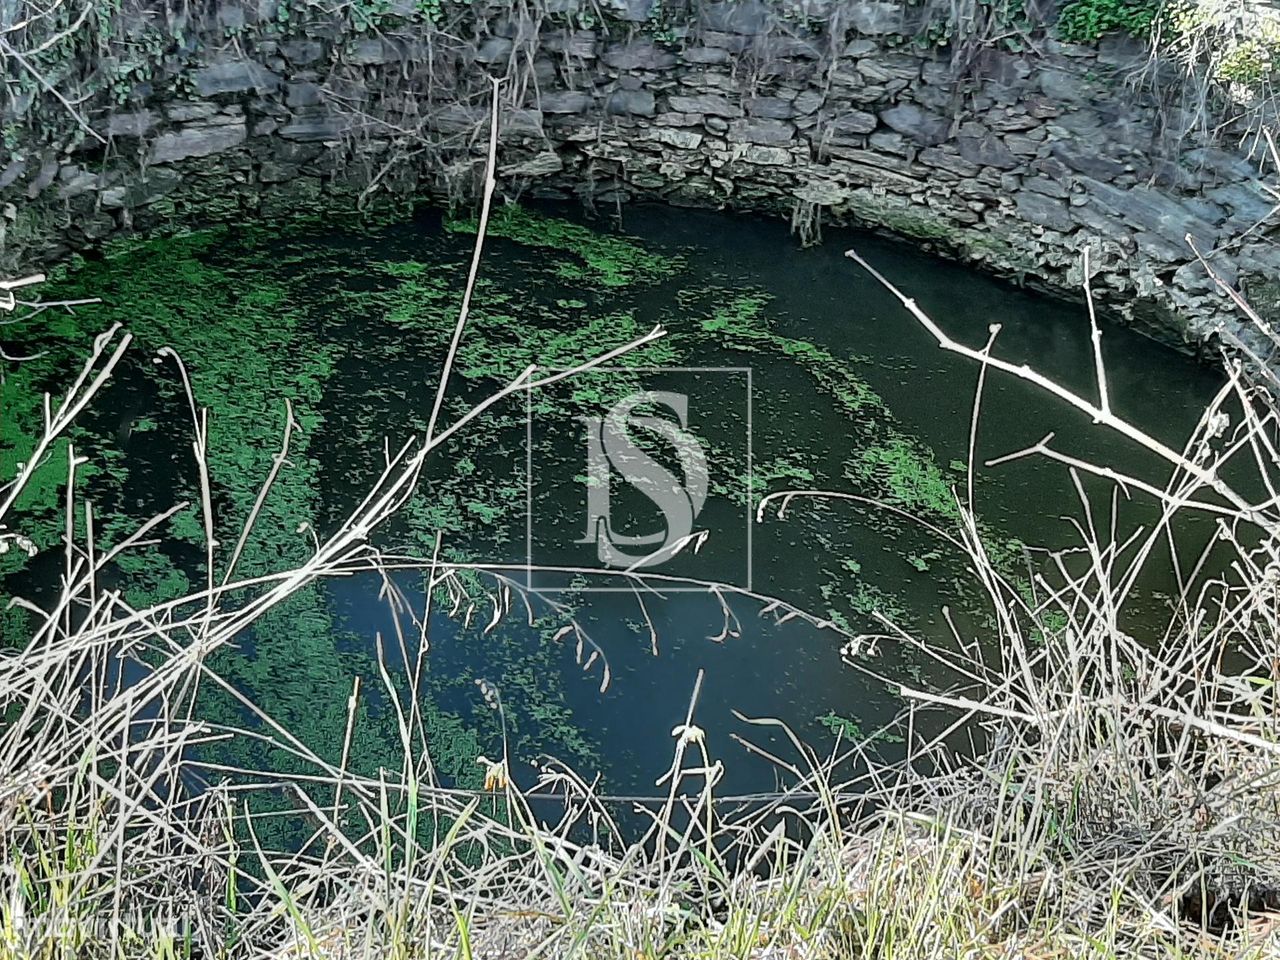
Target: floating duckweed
[356, 350]
[610, 260]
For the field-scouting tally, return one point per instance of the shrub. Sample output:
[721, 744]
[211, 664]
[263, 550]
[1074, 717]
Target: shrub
[1087, 21]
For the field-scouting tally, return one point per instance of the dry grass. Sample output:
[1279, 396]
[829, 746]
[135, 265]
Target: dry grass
[1123, 802]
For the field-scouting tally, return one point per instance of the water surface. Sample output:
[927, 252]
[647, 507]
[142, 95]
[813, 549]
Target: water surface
[845, 392]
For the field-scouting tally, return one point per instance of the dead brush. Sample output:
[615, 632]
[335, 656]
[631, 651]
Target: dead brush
[1140, 777]
[1121, 799]
[1124, 788]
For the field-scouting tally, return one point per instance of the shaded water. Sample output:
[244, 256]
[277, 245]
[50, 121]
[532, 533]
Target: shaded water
[844, 392]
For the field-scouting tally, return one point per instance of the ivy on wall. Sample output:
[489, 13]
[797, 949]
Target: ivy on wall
[1087, 21]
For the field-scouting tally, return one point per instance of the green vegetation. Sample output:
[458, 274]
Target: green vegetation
[1002, 22]
[295, 324]
[1233, 48]
[611, 261]
[908, 479]
[1087, 21]
[394, 823]
[1239, 47]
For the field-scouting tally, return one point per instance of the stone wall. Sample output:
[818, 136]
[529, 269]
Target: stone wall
[818, 110]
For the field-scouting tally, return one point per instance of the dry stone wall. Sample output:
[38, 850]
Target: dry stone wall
[823, 111]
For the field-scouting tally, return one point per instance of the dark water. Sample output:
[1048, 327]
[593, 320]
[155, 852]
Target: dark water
[761, 406]
[795, 672]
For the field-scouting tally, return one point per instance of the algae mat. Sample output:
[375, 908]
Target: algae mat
[348, 330]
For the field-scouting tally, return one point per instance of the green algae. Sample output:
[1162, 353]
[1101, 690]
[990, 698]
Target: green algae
[851, 731]
[610, 260]
[888, 464]
[355, 344]
[897, 469]
[238, 334]
[241, 336]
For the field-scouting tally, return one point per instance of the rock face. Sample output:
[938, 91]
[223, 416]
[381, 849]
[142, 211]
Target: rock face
[234, 76]
[804, 105]
[196, 141]
[925, 128]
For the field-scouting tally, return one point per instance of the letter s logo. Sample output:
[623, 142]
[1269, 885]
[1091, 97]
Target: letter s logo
[609, 444]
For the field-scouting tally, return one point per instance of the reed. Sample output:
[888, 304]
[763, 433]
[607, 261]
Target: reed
[1121, 798]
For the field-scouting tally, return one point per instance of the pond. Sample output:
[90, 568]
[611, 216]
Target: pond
[781, 368]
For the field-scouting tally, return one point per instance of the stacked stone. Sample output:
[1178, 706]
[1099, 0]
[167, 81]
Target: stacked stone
[813, 105]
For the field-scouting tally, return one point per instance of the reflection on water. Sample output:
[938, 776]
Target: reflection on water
[844, 393]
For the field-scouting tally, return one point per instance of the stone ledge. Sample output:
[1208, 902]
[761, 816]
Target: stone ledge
[1041, 162]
